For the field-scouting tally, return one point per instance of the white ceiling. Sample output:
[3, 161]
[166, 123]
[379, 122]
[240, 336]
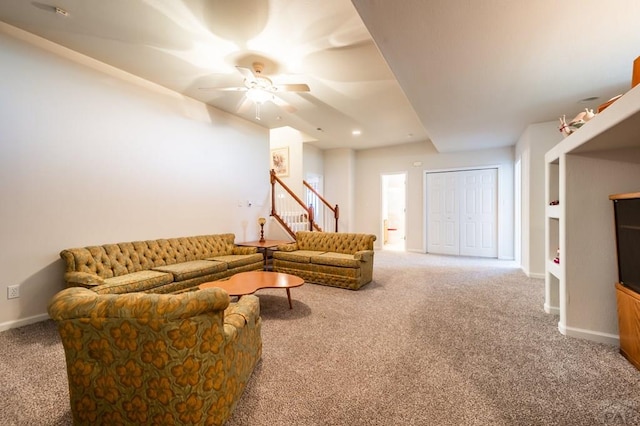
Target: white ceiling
[475, 73]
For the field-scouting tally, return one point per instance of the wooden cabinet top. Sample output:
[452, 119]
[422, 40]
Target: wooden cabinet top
[627, 196]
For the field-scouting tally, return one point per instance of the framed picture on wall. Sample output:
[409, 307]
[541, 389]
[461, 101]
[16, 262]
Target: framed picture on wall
[280, 161]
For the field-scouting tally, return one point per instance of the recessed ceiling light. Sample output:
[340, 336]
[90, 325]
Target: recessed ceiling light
[356, 133]
[62, 12]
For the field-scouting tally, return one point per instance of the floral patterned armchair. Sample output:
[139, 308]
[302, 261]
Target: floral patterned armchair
[156, 359]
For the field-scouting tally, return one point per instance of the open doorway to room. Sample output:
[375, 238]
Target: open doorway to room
[394, 190]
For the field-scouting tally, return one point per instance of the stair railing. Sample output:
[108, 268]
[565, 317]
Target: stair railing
[312, 199]
[288, 209]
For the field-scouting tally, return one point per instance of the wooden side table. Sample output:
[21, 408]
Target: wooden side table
[264, 247]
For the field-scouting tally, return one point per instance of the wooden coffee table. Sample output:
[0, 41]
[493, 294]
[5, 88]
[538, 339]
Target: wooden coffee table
[252, 281]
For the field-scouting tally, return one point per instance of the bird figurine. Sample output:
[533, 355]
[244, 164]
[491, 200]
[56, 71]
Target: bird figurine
[578, 121]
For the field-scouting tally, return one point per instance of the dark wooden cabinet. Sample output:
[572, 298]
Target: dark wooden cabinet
[629, 323]
[627, 222]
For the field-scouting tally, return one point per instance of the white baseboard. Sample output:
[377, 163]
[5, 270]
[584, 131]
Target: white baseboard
[596, 336]
[553, 310]
[23, 321]
[530, 274]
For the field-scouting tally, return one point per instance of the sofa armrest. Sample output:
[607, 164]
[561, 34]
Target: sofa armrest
[82, 279]
[288, 247]
[364, 255]
[244, 250]
[245, 311]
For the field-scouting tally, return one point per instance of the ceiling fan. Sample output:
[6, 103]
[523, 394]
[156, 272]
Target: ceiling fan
[260, 89]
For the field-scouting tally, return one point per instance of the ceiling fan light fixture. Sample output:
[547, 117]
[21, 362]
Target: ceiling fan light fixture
[259, 96]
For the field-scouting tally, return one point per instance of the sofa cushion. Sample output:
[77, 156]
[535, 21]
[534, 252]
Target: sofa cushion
[302, 256]
[195, 268]
[336, 259]
[135, 282]
[237, 260]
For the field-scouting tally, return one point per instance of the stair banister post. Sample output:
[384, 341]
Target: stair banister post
[336, 215]
[273, 191]
[311, 218]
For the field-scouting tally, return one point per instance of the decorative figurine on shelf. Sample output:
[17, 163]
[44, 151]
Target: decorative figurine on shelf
[554, 202]
[261, 222]
[577, 122]
[557, 258]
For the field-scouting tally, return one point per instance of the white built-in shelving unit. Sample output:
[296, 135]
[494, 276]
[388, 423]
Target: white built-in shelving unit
[599, 159]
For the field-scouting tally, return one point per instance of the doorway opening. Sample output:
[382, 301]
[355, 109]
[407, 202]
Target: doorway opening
[394, 191]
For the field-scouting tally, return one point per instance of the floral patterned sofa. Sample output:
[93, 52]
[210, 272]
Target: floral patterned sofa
[329, 258]
[142, 358]
[158, 266]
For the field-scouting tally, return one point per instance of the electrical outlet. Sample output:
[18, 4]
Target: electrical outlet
[13, 292]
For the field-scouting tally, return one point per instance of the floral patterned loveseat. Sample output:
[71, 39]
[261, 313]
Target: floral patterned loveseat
[335, 259]
[158, 266]
[156, 359]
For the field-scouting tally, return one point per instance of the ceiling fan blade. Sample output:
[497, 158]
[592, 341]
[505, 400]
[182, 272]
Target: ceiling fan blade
[283, 104]
[291, 87]
[248, 75]
[225, 89]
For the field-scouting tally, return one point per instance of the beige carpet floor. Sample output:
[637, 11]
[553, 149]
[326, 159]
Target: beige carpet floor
[433, 340]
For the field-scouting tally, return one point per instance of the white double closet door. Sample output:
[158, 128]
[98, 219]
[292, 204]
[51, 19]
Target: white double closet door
[462, 215]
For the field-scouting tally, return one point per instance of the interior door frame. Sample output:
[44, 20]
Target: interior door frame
[425, 199]
[405, 174]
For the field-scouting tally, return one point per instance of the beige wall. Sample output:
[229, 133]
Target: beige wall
[313, 161]
[292, 140]
[416, 159]
[92, 155]
[340, 185]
